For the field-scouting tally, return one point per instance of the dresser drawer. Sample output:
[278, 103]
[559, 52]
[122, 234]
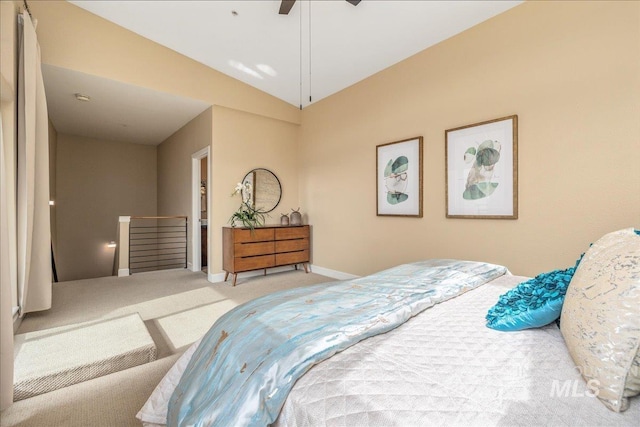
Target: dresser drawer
[249, 249]
[292, 232]
[292, 257]
[292, 245]
[258, 235]
[254, 262]
[263, 248]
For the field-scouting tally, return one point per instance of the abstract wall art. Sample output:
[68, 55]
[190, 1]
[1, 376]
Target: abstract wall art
[481, 168]
[399, 178]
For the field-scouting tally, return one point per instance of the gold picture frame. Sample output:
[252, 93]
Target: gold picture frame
[399, 178]
[481, 170]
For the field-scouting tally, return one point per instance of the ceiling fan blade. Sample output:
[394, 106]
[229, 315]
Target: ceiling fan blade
[286, 6]
[354, 2]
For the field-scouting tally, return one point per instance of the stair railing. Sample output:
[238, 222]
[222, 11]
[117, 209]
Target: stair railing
[149, 243]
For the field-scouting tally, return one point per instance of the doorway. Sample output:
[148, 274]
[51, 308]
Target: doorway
[200, 210]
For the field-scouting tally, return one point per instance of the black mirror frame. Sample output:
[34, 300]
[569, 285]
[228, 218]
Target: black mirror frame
[277, 180]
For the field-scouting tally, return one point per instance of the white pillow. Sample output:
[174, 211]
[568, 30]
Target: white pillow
[600, 318]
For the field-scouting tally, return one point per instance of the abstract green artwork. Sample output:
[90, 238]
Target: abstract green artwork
[479, 180]
[481, 167]
[395, 175]
[399, 178]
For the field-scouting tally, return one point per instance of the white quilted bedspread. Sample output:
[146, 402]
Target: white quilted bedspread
[444, 367]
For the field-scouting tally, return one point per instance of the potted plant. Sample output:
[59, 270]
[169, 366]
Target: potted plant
[246, 215]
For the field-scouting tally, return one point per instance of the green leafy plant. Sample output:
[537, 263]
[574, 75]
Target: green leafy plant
[246, 215]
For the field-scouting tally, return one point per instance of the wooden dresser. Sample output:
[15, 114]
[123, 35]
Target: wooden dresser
[265, 247]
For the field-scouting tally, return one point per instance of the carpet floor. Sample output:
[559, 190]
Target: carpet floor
[177, 306]
[59, 357]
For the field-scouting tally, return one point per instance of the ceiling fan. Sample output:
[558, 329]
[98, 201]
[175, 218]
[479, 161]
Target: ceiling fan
[286, 5]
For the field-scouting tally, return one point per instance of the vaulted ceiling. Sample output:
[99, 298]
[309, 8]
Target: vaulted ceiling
[319, 48]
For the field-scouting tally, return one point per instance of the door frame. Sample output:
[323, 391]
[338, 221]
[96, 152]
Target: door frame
[196, 252]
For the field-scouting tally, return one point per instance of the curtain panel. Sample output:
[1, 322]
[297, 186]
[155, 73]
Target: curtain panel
[25, 229]
[34, 228]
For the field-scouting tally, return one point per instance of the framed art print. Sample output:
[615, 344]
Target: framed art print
[481, 168]
[399, 178]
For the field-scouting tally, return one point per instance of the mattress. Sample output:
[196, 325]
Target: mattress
[442, 367]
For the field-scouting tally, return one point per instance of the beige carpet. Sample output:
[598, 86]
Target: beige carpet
[177, 306]
[59, 357]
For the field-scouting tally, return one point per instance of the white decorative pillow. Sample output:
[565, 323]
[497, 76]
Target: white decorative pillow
[600, 318]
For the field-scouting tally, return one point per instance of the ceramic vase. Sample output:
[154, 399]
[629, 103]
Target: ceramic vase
[296, 217]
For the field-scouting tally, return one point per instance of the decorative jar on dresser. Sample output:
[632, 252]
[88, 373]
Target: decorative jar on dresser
[264, 247]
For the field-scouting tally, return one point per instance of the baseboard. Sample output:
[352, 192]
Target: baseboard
[215, 278]
[332, 273]
[123, 272]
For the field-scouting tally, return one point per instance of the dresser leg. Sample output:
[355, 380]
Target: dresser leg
[306, 267]
[226, 275]
[235, 276]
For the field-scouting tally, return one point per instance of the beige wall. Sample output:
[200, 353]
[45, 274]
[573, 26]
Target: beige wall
[239, 142]
[242, 142]
[75, 39]
[98, 181]
[174, 168]
[569, 70]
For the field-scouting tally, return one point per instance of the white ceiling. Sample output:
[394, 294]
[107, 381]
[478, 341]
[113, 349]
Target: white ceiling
[116, 111]
[318, 49]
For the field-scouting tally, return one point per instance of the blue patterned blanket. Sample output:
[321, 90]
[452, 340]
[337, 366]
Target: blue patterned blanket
[247, 363]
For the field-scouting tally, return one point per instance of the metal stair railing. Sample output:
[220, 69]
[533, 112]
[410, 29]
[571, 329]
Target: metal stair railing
[157, 243]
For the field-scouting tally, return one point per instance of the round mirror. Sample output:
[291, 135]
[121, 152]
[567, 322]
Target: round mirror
[262, 190]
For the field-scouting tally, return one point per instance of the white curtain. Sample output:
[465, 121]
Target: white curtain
[34, 228]
[25, 230]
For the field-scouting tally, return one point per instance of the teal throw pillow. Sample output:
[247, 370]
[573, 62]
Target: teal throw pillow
[533, 303]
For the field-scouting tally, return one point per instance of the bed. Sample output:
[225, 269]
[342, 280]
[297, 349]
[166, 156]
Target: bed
[440, 365]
